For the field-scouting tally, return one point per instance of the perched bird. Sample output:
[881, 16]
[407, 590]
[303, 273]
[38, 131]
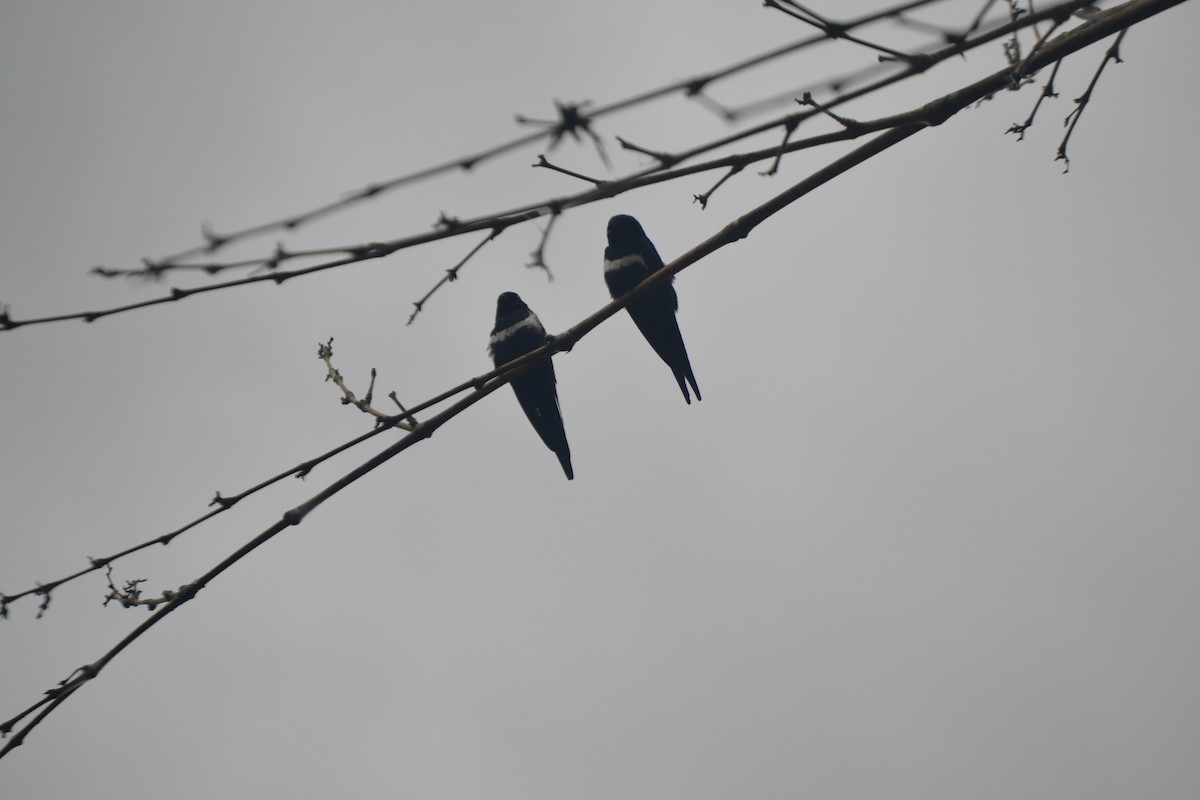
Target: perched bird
[629, 259]
[517, 332]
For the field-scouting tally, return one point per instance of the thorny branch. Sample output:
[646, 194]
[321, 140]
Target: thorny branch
[689, 87]
[451, 274]
[832, 29]
[604, 190]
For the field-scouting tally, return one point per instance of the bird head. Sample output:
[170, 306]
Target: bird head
[624, 230]
[509, 303]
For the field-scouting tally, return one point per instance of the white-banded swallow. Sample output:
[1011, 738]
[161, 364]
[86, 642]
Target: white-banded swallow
[517, 332]
[629, 259]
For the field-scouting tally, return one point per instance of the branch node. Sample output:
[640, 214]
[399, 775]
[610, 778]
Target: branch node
[215, 241]
[447, 223]
[295, 516]
[404, 413]
[665, 160]
[852, 125]
[703, 199]
[542, 162]
[223, 502]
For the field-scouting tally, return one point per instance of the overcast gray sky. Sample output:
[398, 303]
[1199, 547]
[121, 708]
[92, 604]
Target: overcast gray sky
[930, 534]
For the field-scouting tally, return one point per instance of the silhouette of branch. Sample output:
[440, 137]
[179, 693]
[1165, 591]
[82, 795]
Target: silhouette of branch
[948, 36]
[542, 162]
[845, 122]
[451, 274]
[405, 421]
[571, 120]
[44, 589]
[835, 84]
[1047, 92]
[666, 160]
[690, 87]
[979, 18]
[703, 199]
[831, 29]
[601, 191]
[152, 270]
[1112, 54]
[359, 254]
[1012, 47]
[1055, 24]
[538, 256]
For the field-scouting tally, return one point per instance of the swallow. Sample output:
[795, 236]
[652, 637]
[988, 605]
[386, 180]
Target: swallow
[517, 332]
[629, 259]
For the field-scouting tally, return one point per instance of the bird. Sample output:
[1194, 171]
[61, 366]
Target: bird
[629, 259]
[517, 332]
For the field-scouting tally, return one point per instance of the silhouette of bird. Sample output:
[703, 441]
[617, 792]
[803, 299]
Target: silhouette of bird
[629, 259]
[517, 332]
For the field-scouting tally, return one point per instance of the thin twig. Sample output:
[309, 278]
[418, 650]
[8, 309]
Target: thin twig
[832, 29]
[703, 199]
[538, 256]
[542, 162]
[332, 374]
[1112, 54]
[1046, 93]
[451, 274]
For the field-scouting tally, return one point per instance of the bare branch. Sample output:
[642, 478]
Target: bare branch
[538, 256]
[1047, 92]
[703, 199]
[666, 160]
[1112, 54]
[325, 353]
[845, 122]
[451, 274]
[688, 87]
[788, 130]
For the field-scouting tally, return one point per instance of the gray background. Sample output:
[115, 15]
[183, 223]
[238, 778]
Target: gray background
[931, 533]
